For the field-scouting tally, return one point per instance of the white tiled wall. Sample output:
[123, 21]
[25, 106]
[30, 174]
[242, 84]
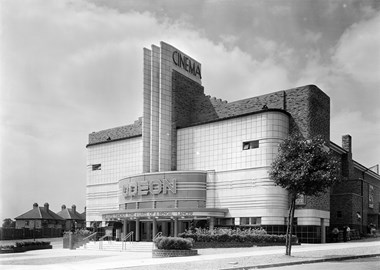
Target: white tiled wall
[238, 179]
[118, 159]
[219, 145]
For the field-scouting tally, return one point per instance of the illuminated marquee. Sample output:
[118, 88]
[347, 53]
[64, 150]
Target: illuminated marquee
[185, 63]
[155, 187]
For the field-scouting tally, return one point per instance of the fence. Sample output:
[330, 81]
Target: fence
[12, 233]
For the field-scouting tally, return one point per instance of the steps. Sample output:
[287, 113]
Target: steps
[118, 246]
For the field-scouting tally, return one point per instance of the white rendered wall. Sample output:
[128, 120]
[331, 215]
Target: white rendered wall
[240, 181]
[118, 159]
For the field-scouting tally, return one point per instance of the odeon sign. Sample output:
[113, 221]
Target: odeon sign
[186, 63]
[154, 187]
[169, 188]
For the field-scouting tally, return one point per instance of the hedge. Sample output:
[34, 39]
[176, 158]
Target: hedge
[173, 243]
[257, 236]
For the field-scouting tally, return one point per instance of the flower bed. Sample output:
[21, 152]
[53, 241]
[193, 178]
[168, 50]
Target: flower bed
[25, 246]
[234, 238]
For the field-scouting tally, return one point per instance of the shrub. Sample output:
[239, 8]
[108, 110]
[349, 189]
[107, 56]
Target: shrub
[36, 243]
[250, 235]
[6, 247]
[176, 243]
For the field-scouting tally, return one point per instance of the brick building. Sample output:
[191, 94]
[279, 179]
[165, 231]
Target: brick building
[194, 158]
[39, 218]
[73, 219]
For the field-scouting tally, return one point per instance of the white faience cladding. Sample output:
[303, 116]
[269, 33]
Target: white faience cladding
[118, 159]
[238, 179]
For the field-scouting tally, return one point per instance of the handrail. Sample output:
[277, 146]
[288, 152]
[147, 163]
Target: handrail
[101, 238]
[129, 235]
[91, 235]
[155, 237]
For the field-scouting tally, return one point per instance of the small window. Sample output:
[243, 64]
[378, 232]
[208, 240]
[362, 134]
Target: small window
[244, 221]
[96, 167]
[250, 145]
[255, 220]
[339, 214]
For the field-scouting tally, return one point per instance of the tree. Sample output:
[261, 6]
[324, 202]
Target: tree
[8, 223]
[303, 167]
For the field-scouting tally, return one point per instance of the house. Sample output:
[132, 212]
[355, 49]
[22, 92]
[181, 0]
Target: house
[39, 218]
[73, 219]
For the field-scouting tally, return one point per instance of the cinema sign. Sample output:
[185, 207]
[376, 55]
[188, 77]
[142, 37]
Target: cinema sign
[184, 62]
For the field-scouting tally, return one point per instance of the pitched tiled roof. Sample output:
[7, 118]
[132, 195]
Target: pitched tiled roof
[40, 213]
[117, 133]
[70, 214]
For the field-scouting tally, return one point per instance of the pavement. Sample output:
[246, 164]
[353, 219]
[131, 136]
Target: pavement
[221, 258]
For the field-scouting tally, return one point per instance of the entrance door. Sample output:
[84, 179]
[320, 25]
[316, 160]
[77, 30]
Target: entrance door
[165, 227]
[146, 228]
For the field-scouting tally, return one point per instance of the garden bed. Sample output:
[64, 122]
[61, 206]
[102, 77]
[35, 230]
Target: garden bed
[228, 238]
[163, 253]
[25, 246]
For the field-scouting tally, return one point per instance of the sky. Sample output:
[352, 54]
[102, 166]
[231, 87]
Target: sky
[68, 68]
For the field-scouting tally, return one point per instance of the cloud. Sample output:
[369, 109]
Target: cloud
[357, 54]
[351, 80]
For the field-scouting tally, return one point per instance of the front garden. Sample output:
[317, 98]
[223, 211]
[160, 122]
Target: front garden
[25, 246]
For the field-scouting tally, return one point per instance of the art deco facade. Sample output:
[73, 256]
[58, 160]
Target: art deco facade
[193, 158]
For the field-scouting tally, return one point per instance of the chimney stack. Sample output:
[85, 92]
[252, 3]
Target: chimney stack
[63, 207]
[35, 205]
[347, 143]
[74, 208]
[46, 206]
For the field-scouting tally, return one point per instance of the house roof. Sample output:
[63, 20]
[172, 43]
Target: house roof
[67, 213]
[40, 213]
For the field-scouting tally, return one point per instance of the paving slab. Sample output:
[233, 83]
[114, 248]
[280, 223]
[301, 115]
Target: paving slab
[223, 258]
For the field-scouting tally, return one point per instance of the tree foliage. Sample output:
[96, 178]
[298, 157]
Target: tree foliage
[303, 167]
[8, 223]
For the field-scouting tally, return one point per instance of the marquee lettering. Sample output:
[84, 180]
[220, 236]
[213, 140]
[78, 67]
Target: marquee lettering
[185, 63]
[153, 187]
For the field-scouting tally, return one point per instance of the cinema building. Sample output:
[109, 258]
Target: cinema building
[193, 159]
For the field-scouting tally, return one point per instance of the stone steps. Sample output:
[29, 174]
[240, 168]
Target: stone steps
[118, 246]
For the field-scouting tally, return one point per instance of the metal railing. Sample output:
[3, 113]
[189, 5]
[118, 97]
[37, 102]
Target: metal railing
[90, 236]
[101, 240]
[124, 240]
[155, 237]
[87, 239]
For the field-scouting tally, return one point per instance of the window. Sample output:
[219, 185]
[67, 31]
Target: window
[250, 221]
[244, 221]
[250, 145]
[26, 222]
[96, 167]
[339, 214]
[255, 220]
